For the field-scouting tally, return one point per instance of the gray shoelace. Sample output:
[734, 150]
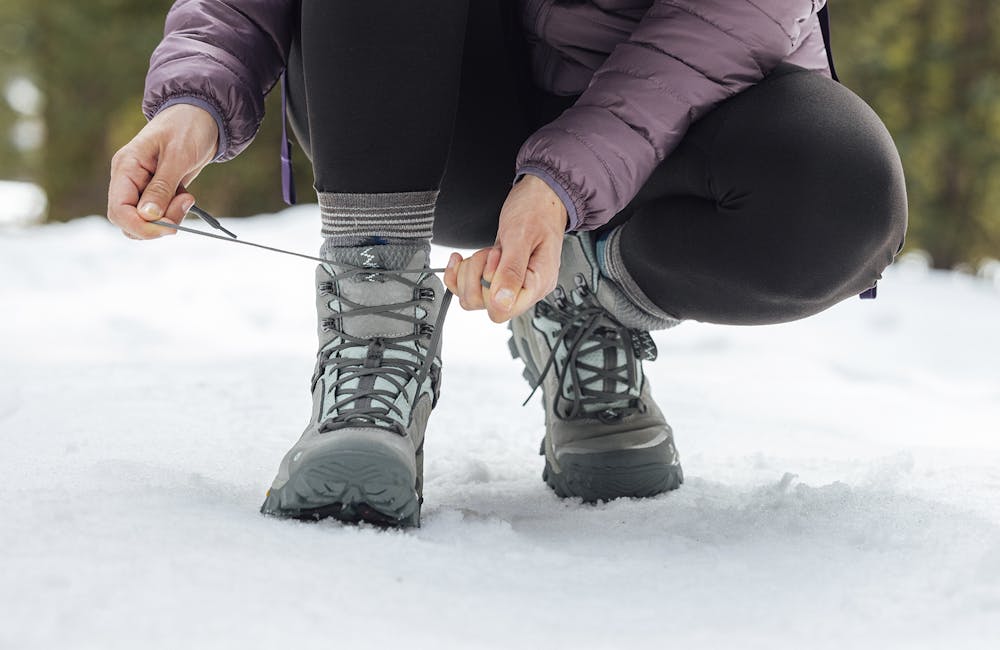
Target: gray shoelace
[589, 329]
[582, 333]
[370, 405]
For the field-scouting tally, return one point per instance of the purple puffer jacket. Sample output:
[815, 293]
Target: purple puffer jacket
[647, 69]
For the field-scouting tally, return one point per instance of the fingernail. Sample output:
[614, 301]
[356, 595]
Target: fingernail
[187, 206]
[151, 210]
[504, 298]
[451, 262]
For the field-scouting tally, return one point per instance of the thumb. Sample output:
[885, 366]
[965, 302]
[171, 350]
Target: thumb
[507, 281]
[161, 189]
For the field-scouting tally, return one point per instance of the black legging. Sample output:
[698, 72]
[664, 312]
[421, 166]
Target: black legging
[779, 203]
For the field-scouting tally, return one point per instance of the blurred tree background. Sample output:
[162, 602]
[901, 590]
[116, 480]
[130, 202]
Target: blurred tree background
[932, 72]
[89, 61]
[72, 76]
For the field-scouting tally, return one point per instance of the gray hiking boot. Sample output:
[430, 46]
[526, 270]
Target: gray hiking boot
[605, 437]
[377, 378]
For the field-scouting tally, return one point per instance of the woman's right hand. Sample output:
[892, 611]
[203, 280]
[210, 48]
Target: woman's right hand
[150, 175]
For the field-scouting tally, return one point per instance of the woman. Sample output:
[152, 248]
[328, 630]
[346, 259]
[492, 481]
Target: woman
[672, 160]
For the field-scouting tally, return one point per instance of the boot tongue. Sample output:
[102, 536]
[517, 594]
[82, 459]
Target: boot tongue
[376, 288]
[611, 355]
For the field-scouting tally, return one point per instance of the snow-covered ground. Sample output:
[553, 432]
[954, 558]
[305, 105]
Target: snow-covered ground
[21, 203]
[843, 473]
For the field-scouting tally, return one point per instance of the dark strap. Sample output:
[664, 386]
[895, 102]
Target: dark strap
[824, 26]
[287, 178]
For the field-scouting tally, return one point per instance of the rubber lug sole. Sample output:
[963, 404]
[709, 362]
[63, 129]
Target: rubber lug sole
[591, 481]
[352, 487]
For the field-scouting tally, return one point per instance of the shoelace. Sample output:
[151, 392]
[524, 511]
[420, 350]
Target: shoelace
[583, 334]
[580, 323]
[371, 405]
[397, 371]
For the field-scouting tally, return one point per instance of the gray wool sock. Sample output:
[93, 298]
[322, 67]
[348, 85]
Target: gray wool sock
[634, 308]
[353, 219]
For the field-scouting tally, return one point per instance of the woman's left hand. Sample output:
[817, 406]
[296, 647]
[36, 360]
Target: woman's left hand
[523, 266]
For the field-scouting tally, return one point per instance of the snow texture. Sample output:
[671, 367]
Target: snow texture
[843, 472]
[21, 204]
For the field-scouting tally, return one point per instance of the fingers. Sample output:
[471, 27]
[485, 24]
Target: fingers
[492, 262]
[523, 266]
[161, 190]
[464, 278]
[179, 206]
[470, 281]
[507, 284]
[128, 175]
[451, 272]
[131, 175]
[149, 175]
[518, 275]
[541, 276]
[528, 281]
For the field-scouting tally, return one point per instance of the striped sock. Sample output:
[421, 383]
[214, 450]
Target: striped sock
[354, 219]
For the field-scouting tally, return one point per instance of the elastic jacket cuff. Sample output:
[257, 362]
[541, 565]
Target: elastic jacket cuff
[556, 186]
[223, 142]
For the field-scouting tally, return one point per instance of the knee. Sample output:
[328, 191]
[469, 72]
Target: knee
[838, 182]
[866, 195]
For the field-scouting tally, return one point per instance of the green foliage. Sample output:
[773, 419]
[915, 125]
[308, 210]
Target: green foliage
[90, 59]
[15, 61]
[932, 72]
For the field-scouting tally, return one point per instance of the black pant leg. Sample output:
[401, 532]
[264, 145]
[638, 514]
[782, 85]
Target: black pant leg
[497, 109]
[783, 201]
[379, 88]
[495, 115]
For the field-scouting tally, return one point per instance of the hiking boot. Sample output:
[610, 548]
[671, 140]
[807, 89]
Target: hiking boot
[605, 437]
[377, 378]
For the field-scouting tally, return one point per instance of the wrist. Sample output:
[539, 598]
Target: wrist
[541, 188]
[200, 120]
[545, 175]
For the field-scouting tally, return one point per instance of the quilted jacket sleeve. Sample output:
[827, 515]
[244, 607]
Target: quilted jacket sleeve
[685, 57]
[223, 56]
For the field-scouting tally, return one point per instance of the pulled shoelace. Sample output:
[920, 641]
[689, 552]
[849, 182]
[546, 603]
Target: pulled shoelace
[581, 324]
[397, 371]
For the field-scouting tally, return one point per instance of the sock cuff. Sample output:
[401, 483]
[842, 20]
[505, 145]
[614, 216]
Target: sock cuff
[642, 311]
[405, 215]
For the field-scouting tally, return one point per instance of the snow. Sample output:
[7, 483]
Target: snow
[21, 204]
[843, 472]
